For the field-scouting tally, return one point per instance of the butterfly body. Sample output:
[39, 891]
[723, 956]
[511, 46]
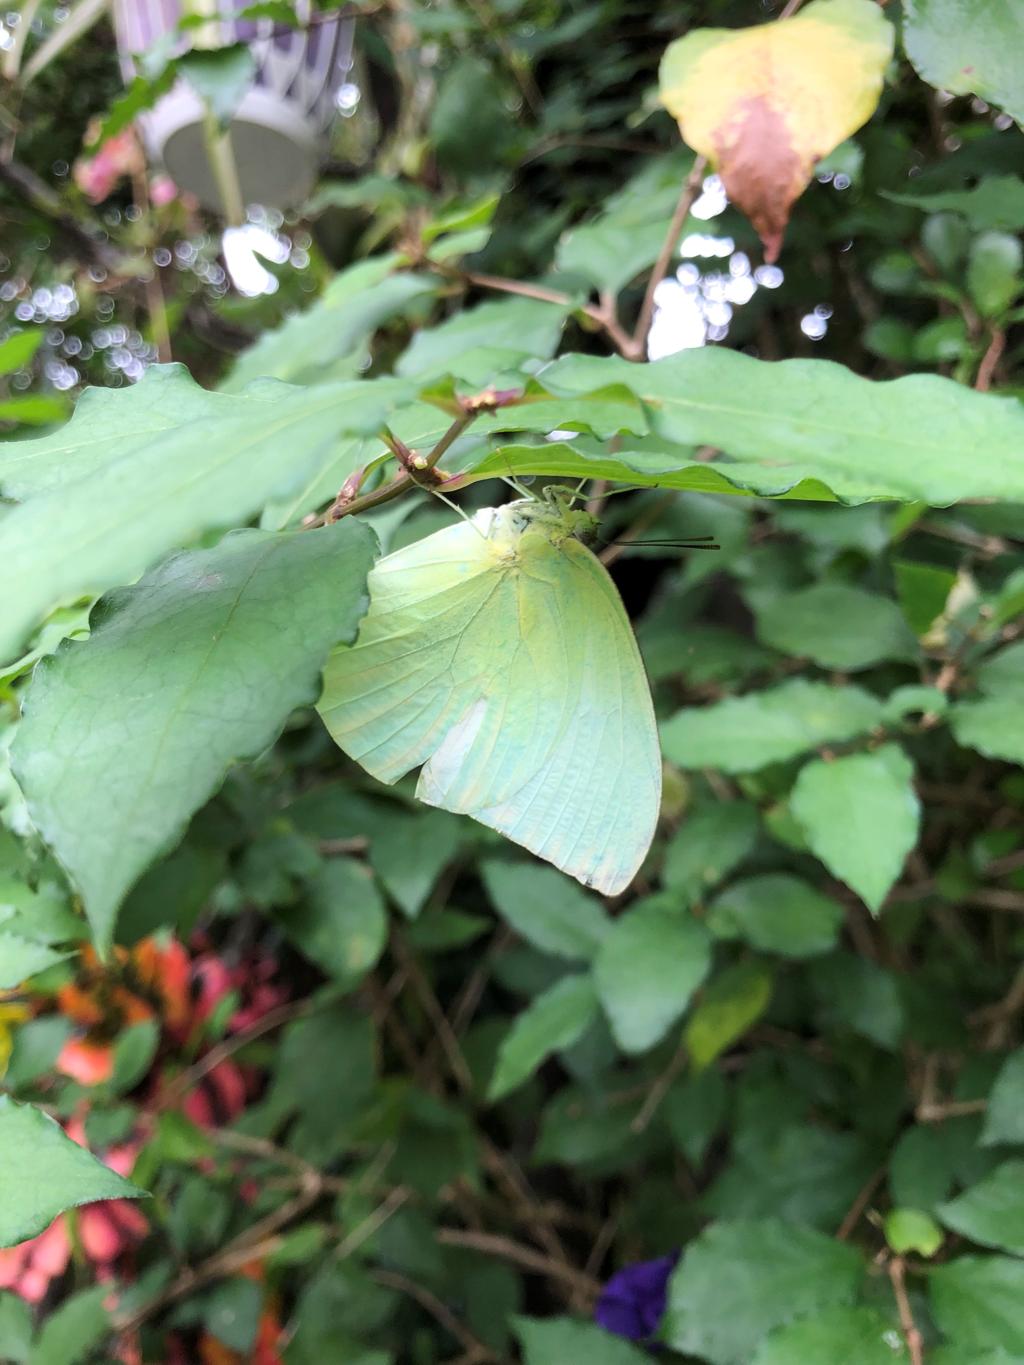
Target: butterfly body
[497, 655]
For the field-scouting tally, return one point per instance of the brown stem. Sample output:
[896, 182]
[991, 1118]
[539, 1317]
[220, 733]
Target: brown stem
[991, 358]
[856, 1209]
[415, 467]
[490, 1244]
[911, 1331]
[440, 1312]
[275, 1018]
[691, 188]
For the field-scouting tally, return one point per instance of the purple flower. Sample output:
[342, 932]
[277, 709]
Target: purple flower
[632, 1303]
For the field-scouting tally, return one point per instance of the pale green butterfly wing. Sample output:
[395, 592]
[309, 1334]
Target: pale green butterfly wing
[505, 664]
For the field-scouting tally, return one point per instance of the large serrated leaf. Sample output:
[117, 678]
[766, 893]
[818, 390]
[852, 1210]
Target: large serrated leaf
[738, 1281]
[920, 438]
[198, 665]
[43, 1172]
[141, 497]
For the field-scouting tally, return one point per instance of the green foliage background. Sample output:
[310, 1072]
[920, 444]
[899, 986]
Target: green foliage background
[792, 1052]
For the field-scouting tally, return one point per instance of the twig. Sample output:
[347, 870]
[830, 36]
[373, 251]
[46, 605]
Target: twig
[658, 1091]
[691, 188]
[911, 1331]
[489, 1244]
[432, 1006]
[254, 1243]
[363, 1231]
[951, 1109]
[991, 358]
[790, 9]
[430, 1303]
[414, 467]
[856, 1209]
[275, 1018]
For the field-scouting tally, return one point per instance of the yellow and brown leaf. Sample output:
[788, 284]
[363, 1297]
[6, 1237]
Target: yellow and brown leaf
[766, 104]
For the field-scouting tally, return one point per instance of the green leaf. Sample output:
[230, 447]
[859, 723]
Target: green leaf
[709, 844]
[731, 1005]
[651, 468]
[922, 437]
[341, 925]
[1004, 1118]
[196, 667]
[134, 1051]
[994, 272]
[860, 815]
[839, 1336]
[777, 913]
[43, 1173]
[559, 1341]
[549, 910]
[231, 1313]
[978, 1301]
[998, 202]
[993, 725]
[923, 592]
[479, 343]
[470, 128]
[72, 1332]
[33, 409]
[143, 495]
[164, 398]
[836, 626]
[15, 1328]
[555, 1020]
[991, 1212]
[18, 349]
[327, 340]
[912, 1230]
[646, 970]
[742, 734]
[968, 47]
[220, 77]
[1003, 671]
[738, 1281]
[410, 850]
[858, 995]
[21, 958]
[797, 1172]
[626, 238]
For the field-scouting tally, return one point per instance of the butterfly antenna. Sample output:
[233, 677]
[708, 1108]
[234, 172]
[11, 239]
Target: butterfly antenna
[689, 543]
[455, 508]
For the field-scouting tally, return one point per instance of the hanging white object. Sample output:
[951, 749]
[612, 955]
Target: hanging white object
[279, 129]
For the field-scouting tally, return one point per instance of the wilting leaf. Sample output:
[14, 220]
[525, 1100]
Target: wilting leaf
[766, 104]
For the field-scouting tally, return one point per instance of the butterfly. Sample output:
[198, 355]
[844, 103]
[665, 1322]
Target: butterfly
[497, 654]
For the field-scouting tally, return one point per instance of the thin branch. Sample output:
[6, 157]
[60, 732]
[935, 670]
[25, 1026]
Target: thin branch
[690, 191]
[991, 358]
[489, 1244]
[177, 1088]
[439, 1311]
[254, 1243]
[910, 1329]
[856, 1209]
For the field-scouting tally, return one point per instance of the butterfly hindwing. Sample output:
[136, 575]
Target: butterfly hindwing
[505, 664]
